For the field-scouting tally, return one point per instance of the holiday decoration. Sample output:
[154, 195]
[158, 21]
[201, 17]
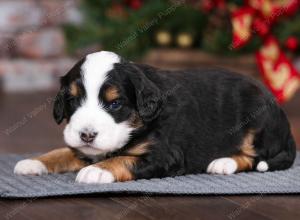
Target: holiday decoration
[261, 27]
[258, 16]
[208, 5]
[292, 43]
[184, 40]
[278, 72]
[241, 22]
[163, 38]
[267, 28]
[134, 4]
[116, 11]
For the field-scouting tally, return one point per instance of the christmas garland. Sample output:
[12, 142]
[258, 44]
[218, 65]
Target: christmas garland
[258, 17]
[231, 27]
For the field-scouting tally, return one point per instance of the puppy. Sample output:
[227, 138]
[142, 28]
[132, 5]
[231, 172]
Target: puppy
[128, 121]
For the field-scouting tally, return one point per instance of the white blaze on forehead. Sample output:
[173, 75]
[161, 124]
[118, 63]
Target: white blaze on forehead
[90, 116]
[94, 72]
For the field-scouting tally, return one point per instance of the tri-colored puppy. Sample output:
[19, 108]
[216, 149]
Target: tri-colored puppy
[128, 121]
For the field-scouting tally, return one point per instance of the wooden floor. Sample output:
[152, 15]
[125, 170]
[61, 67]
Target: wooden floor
[26, 125]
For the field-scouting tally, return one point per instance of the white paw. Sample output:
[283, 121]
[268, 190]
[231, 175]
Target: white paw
[262, 166]
[93, 174]
[30, 167]
[224, 165]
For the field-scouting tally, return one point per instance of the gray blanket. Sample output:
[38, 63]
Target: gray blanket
[279, 182]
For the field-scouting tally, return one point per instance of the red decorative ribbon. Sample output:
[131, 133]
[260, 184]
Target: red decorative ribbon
[258, 17]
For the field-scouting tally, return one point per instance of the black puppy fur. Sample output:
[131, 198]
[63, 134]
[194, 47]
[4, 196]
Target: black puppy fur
[190, 118]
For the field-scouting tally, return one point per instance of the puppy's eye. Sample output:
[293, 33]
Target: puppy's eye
[115, 105]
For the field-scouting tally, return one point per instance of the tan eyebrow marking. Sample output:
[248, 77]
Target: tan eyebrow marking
[111, 93]
[74, 90]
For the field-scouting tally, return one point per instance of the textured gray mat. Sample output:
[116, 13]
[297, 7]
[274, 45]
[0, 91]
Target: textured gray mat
[280, 182]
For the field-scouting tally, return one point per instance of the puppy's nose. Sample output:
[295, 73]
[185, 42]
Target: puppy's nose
[88, 137]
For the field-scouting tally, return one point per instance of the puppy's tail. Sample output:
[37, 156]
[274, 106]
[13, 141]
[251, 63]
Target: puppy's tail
[284, 159]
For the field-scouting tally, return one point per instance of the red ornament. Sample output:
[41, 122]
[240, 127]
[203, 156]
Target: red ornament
[261, 27]
[221, 4]
[242, 20]
[258, 16]
[135, 4]
[277, 70]
[292, 7]
[116, 11]
[292, 43]
[207, 5]
[271, 10]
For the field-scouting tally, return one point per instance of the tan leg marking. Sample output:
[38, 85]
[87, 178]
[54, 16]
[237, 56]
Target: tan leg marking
[242, 161]
[120, 167]
[61, 160]
[247, 153]
[139, 149]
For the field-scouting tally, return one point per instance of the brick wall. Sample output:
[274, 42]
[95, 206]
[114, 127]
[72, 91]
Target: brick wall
[32, 43]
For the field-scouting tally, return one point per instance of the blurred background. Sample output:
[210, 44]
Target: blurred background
[40, 40]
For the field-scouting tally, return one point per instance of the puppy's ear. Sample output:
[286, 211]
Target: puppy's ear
[148, 95]
[59, 106]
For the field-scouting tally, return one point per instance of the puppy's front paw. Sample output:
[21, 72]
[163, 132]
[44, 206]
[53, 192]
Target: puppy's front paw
[224, 165]
[93, 174]
[30, 167]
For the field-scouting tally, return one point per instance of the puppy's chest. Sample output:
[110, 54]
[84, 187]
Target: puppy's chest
[92, 159]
